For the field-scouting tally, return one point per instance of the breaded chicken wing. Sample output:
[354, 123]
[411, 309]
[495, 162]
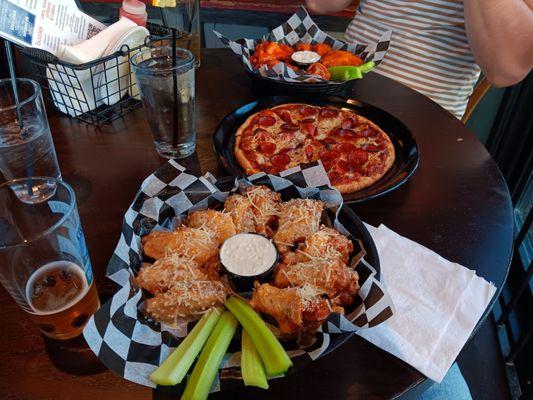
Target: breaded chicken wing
[265, 207]
[241, 211]
[221, 224]
[160, 276]
[192, 244]
[298, 219]
[326, 244]
[331, 277]
[186, 298]
[298, 311]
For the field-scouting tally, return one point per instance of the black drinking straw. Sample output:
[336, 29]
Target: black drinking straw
[189, 41]
[175, 91]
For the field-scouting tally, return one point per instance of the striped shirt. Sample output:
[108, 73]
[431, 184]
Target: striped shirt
[429, 50]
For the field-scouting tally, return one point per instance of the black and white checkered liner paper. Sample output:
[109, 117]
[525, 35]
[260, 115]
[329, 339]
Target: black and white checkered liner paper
[133, 346]
[301, 28]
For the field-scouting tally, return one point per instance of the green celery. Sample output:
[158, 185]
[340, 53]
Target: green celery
[175, 367]
[339, 73]
[206, 368]
[252, 368]
[367, 67]
[270, 349]
[355, 73]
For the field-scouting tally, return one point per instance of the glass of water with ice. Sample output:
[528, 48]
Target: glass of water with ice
[167, 94]
[26, 145]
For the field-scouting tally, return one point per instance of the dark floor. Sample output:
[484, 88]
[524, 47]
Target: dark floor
[482, 366]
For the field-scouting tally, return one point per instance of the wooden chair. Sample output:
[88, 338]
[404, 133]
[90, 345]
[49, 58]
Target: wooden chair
[480, 90]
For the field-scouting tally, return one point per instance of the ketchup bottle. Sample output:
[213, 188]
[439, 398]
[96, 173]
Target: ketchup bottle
[134, 10]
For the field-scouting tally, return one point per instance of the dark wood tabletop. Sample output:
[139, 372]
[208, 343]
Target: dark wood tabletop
[457, 204]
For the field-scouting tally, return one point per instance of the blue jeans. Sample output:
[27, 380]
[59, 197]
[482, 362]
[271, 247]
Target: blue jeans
[452, 387]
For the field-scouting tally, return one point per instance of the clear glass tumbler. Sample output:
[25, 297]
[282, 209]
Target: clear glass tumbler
[26, 145]
[167, 94]
[44, 259]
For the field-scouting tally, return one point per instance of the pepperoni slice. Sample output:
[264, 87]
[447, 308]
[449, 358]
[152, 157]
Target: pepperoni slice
[329, 142]
[329, 155]
[367, 132]
[329, 112]
[261, 134]
[357, 158]
[309, 128]
[285, 116]
[305, 111]
[267, 148]
[346, 148]
[334, 177]
[280, 160]
[289, 127]
[308, 120]
[348, 123]
[266, 120]
[373, 149]
[343, 166]
[327, 164]
[344, 133]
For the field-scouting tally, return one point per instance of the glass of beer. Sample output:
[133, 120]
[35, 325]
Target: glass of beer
[44, 261]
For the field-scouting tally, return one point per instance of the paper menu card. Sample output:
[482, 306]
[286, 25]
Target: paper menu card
[46, 24]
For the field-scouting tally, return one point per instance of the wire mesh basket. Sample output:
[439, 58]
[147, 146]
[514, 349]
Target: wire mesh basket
[96, 92]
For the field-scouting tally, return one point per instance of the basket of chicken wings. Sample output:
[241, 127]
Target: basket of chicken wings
[235, 280]
[299, 58]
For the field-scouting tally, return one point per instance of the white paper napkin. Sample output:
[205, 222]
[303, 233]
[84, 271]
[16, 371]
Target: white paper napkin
[437, 304]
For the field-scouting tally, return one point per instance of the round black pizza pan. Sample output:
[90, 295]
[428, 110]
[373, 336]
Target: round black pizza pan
[406, 148]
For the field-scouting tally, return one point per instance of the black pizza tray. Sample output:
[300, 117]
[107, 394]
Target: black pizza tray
[405, 146]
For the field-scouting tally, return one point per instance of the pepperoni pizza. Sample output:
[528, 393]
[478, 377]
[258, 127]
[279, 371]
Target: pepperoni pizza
[354, 151]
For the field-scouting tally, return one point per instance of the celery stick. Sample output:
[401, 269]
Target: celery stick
[355, 73]
[206, 368]
[252, 368]
[366, 67]
[175, 367]
[339, 73]
[270, 349]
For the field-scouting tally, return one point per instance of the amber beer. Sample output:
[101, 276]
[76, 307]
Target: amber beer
[61, 299]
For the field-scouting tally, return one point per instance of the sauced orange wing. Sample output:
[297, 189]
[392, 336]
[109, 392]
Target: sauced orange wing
[322, 48]
[333, 278]
[298, 219]
[270, 53]
[319, 69]
[161, 275]
[340, 58]
[265, 207]
[297, 310]
[241, 211]
[186, 298]
[303, 47]
[327, 244]
[221, 224]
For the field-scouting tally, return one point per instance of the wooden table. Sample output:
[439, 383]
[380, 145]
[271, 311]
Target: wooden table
[456, 204]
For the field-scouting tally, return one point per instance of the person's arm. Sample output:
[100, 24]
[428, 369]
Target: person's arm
[327, 6]
[500, 33]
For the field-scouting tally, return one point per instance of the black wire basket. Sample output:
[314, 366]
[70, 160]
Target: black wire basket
[96, 92]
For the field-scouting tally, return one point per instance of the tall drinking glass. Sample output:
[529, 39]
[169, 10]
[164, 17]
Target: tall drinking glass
[44, 263]
[26, 145]
[167, 94]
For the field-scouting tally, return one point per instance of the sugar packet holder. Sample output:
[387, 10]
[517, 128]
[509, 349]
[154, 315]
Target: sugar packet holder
[301, 28]
[133, 346]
